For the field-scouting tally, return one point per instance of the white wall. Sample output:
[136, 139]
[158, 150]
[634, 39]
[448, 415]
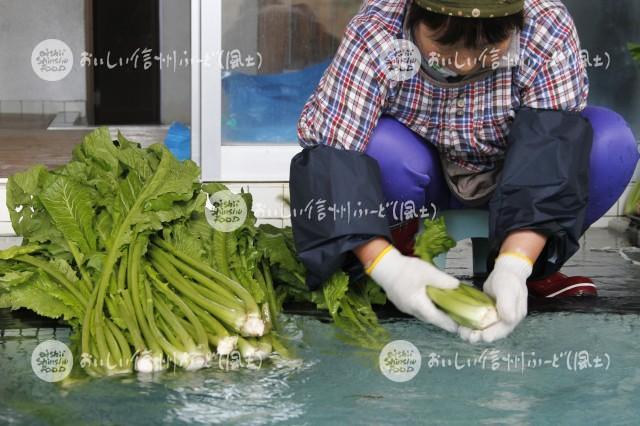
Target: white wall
[25, 23]
[175, 86]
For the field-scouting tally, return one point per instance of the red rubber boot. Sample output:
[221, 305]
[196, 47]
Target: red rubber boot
[560, 285]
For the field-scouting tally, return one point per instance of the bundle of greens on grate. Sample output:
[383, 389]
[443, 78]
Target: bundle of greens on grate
[116, 243]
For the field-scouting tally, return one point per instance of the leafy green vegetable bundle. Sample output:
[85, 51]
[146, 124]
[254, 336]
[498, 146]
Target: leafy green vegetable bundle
[116, 242]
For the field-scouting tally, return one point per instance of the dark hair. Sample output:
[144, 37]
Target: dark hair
[473, 32]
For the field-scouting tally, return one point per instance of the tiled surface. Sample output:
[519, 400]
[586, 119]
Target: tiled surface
[11, 107]
[599, 258]
[267, 200]
[613, 211]
[237, 187]
[4, 213]
[636, 175]
[53, 107]
[6, 242]
[42, 107]
[75, 106]
[6, 229]
[20, 122]
[274, 222]
[603, 222]
[32, 107]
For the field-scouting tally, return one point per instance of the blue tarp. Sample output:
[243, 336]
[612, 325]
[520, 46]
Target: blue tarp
[178, 140]
[266, 108]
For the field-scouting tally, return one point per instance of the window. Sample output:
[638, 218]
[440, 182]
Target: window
[260, 61]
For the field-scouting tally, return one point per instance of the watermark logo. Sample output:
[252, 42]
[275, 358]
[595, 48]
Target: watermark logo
[52, 59]
[400, 361]
[401, 60]
[496, 360]
[321, 209]
[225, 211]
[235, 360]
[52, 361]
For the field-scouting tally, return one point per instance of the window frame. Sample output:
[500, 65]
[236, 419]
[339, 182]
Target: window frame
[249, 162]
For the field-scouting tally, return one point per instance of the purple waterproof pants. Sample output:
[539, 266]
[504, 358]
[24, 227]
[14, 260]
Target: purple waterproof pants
[411, 170]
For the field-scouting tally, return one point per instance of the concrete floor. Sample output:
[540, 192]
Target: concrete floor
[25, 141]
[599, 258]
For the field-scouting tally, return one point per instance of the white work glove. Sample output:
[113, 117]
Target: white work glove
[404, 280]
[507, 284]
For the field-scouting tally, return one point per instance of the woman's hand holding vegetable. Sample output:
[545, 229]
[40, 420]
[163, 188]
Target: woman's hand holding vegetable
[507, 284]
[404, 280]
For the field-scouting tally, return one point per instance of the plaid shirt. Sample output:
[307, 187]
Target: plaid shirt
[468, 121]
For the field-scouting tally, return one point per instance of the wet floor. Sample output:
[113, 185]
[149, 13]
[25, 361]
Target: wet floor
[553, 368]
[605, 256]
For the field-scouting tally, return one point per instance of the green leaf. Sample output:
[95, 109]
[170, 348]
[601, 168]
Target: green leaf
[634, 48]
[213, 187]
[104, 229]
[186, 242]
[359, 323]
[134, 158]
[14, 278]
[374, 292]
[65, 269]
[334, 290]
[220, 251]
[70, 205]
[134, 190]
[272, 242]
[12, 252]
[43, 297]
[433, 240]
[22, 187]
[5, 300]
[29, 218]
[98, 148]
[95, 261]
